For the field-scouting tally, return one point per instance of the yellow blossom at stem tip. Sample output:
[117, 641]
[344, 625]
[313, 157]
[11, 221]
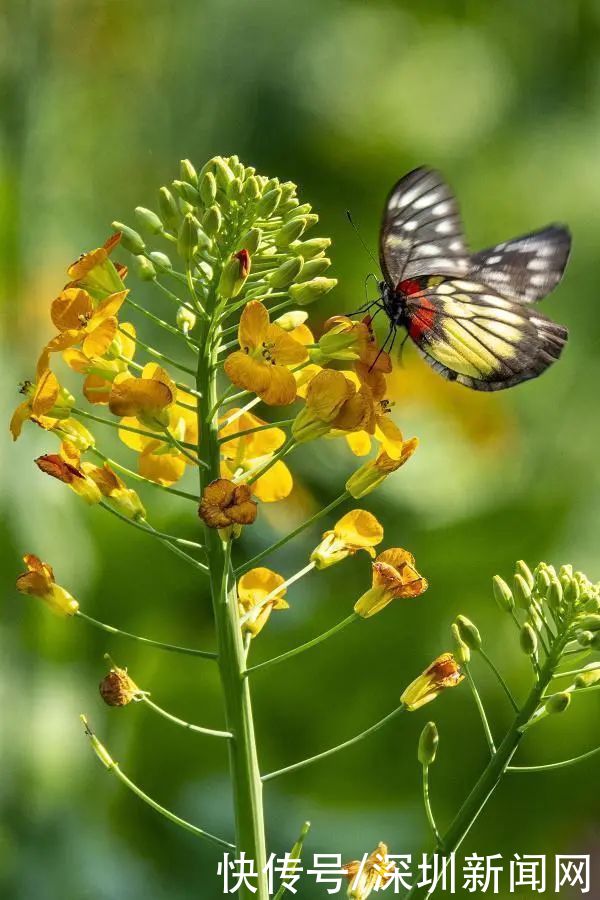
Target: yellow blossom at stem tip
[394, 576]
[357, 530]
[372, 873]
[444, 672]
[253, 589]
[39, 582]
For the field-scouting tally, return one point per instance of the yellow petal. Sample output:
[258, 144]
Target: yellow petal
[163, 468]
[134, 441]
[359, 442]
[109, 307]
[281, 388]
[97, 389]
[254, 322]
[255, 585]
[276, 484]
[283, 349]
[72, 309]
[246, 372]
[127, 336]
[327, 392]
[46, 394]
[19, 417]
[389, 436]
[359, 528]
[98, 340]
[132, 396]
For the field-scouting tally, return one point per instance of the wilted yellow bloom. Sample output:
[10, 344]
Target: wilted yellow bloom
[332, 402]
[380, 426]
[96, 273]
[72, 432]
[91, 482]
[394, 576]
[46, 402]
[224, 503]
[118, 689]
[114, 489]
[261, 365]
[147, 398]
[101, 371]
[253, 451]
[39, 582]
[253, 589]
[371, 874]
[357, 530]
[444, 672]
[372, 473]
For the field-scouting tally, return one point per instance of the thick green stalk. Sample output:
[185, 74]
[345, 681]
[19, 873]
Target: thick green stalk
[498, 765]
[243, 761]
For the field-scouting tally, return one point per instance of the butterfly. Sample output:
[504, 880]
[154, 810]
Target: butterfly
[472, 316]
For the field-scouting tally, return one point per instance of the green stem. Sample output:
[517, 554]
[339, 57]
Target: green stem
[253, 612]
[478, 702]
[161, 322]
[300, 649]
[428, 810]
[243, 760]
[287, 448]
[292, 534]
[563, 764]
[355, 740]
[161, 356]
[196, 728]
[160, 645]
[500, 678]
[240, 434]
[137, 477]
[152, 435]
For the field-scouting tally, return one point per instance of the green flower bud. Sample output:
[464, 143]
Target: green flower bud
[234, 190]
[291, 231]
[222, 171]
[302, 210]
[268, 203]
[251, 189]
[161, 260]
[522, 592]
[558, 703]
[148, 220]
[144, 269]
[571, 591]
[309, 220]
[288, 208]
[286, 273]
[555, 594]
[186, 319]
[542, 581]
[130, 239]
[502, 594]
[313, 268]
[463, 653]
[565, 571]
[428, 744]
[528, 639]
[187, 192]
[589, 677]
[234, 275]
[187, 239]
[169, 210]
[288, 190]
[250, 241]
[469, 633]
[212, 220]
[591, 622]
[188, 172]
[311, 248]
[585, 638]
[292, 319]
[523, 569]
[309, 291]
[208, 189]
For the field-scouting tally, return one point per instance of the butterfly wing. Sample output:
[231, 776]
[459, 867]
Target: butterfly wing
[470, 334]
[421, 230]
[527, 268]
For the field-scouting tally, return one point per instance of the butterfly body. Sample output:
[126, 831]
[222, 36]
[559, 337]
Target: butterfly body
[471, 316]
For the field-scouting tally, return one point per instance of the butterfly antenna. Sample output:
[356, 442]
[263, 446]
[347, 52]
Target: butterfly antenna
[360, 237]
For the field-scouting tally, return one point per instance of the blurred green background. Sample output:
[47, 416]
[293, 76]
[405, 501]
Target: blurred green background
[99, 102]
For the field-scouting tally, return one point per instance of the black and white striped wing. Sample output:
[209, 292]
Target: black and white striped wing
[472, 335]
[421, 231]
[527, 268]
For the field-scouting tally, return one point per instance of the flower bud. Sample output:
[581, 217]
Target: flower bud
[169, 210]
[589, 677]
[118, 689]
[144, 269]
[443, 673]
[187, 192]
[528, 639]
[565, 571]
[148, 220]
[186, 319]
[542, 581]
[585, 638]
[292, 319]
[288, 190]
[234, 274]
[523, 569]
[268, 203]
[522, 592]
[208, 189]
[187, 240]
[502, 594]
[462, 653]
[251, 189]
[555, 593]
[250, 241]
[591, 622]
[571, 591]
[212, 220]
[223, 172]
[234, 190]
[130, 239]
[291, 231]
[558, 703]
[286, 273]
[309, 291]
[313, 268]
[428, 744]
[161, 260]
[469, 633]
[311, 248]
[98, 748]
[188, 172]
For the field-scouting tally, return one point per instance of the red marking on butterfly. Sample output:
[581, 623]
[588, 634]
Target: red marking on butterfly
[409, 286]
[422, 319]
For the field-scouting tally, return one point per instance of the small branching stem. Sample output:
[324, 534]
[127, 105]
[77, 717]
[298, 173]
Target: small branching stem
[481, 709]
[302, 647]
[198, 729]
[160, 645]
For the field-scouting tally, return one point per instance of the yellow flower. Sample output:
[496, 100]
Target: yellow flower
[147, 398]
[101, 371]
[332, 402]
[394, 576]
[46, 403]
[39, 582]
[225, 504]
[357, 530]
[343, 339]
[266, 352]
[57, 467]
[253, 589]
[444, 672]
[372, 473]
[371, 874]
[95, 272]
[114, 489]
[380, 425]
[253, 451]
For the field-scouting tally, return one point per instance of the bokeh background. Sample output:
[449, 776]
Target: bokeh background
[100, 99]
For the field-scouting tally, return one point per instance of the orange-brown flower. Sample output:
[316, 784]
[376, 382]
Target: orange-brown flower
[357, 530]
[394, 576]
[147, 399]
[96, 273]
[118, 689]
[372, 473]
[225, 504]
[39, 582]
[332, 403]
[261, 365]
[91, 482]
[444, 672]
[101, 371]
